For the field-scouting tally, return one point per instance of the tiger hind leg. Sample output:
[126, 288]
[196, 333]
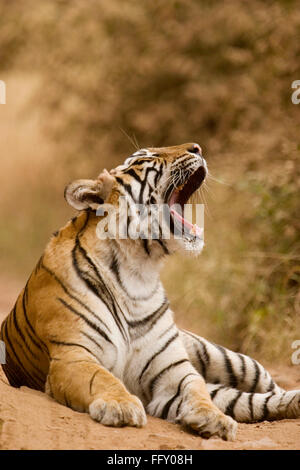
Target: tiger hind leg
[247, 407]
[239, 385]
[219, 365]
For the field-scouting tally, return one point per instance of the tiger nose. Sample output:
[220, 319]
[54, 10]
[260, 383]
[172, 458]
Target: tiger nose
[195, 149]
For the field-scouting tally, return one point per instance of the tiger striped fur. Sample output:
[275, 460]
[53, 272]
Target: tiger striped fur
[94, 330]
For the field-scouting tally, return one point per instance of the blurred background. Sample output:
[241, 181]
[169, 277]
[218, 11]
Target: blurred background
[82, 76]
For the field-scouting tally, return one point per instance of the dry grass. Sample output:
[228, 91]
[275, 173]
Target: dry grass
[219, 73]
[32, 204]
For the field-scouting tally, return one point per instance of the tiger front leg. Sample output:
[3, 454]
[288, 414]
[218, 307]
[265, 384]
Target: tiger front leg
[76, 380]
[186, 401]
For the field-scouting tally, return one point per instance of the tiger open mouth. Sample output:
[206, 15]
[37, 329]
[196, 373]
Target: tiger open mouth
[180, 196]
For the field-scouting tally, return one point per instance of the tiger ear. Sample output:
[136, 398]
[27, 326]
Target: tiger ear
[84, 194]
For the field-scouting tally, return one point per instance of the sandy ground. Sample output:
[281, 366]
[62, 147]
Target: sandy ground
[31, 420]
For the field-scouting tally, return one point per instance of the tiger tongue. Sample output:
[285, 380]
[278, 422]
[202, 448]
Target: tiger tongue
[193, 228]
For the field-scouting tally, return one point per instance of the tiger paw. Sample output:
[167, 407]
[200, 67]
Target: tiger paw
[118, 413]
[208, 422]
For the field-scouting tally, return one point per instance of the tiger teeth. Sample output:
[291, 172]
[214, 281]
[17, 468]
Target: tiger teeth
[193, 231]
[179, 188]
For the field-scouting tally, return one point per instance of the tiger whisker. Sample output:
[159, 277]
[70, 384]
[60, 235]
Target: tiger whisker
[130, 139]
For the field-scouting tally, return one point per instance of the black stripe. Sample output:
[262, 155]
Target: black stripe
[152, 199]
[289, 402]
[143, 326]
[24, 301]
[163, 348]
[34, 338]
[272, 385]
[178, 407]
[92, 339]
[88, 213]
[159, 375]
[243, 368]
[166, 408]
[133, 173]
[14, 374]
[158, 174]
[19, 331]
[114, 266]
[36, 343]
[250, 403]
[143, 160]
[126, 186]
[215, 392]
[138, 162]
[162, 244]
[203, 345]
[63, 343]
[95, 198]
[265, 414]
[230, 407]
[97, 286]
[202, 363]
[205, 352]
[86, 320]
[31, 379]
[167, 330]
[232, 378]
[144, 182]
[145, 244]
[256, 377]
[72, 296]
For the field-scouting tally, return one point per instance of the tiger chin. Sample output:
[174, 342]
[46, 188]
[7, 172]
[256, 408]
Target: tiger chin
[93, 327]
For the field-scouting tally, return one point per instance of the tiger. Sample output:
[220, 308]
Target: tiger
[93, 327]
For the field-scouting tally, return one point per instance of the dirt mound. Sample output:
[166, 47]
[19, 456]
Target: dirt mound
[31, 420]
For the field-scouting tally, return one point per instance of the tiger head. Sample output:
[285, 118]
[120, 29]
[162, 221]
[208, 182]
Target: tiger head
[155, 184]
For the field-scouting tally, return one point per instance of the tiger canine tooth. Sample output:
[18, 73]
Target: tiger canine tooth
[193, 230]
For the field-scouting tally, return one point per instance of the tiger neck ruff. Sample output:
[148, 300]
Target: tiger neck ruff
[93, 327]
